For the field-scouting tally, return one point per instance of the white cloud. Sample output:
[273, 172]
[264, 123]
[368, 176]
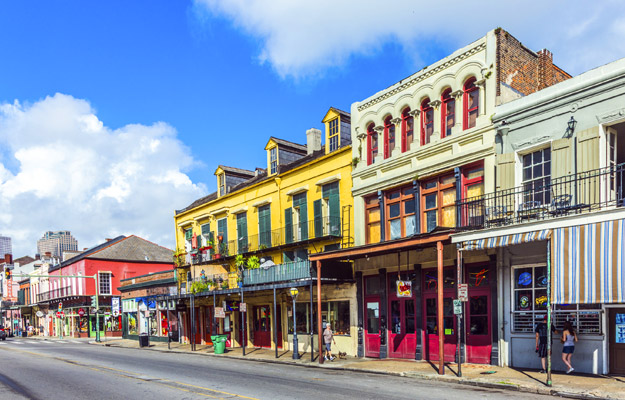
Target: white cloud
[61, 168]
[306, 38]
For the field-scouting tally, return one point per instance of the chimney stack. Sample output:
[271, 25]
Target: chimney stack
[49, 254]
[8, 259]
[313, 140]
[37, 256]
[545, 69]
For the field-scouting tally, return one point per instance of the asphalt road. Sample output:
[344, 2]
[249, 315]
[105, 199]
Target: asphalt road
[71, 369]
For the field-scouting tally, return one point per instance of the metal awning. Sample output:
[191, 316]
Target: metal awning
[506, 240]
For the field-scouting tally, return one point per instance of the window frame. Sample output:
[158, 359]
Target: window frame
[446, 111]
[273, 160]
[426, 108]
[402, 217]
[375, 203]
[439, 189]
[405, 117]
[546, 194]
[372, 152]
[467, 89]
[333, 135]
[389, 136]
[110, 283]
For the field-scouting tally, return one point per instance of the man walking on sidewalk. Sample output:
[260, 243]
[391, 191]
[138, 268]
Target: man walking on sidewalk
[328, 338]
[541, 342]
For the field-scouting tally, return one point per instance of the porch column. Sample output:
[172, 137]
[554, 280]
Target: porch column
[440, 323]
[319, 325]
[360, 313]
[417, 291]
[275, 322]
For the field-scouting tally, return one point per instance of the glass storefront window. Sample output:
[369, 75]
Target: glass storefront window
[132, 323]
[335, 312]
[153, 324]
[372, 285]
[477, 276]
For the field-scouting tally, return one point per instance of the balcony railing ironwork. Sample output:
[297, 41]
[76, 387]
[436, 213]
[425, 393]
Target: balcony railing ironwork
[290, 271]
[583, 192]
[55, 294]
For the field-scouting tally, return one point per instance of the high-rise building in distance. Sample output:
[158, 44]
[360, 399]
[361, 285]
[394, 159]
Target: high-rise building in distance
[5, 246]
[56, 243]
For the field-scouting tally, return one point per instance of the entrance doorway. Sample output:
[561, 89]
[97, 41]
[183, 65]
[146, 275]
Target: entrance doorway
[262, 326]
[430, 305]
[402, 320]
[616, 348]
[478, 325]
[373, 328]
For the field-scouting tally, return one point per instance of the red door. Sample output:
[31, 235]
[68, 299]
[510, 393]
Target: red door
[208, 325]
[478, 325]
[402, 323]
[372, 329]
[198, 326]
[262, 327]
[432, 330]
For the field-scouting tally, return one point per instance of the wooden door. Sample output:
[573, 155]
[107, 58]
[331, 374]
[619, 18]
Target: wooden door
[617, 341]
[430, 305]
[402, 328]
[372, 329]
[262, 326]
[479, 330]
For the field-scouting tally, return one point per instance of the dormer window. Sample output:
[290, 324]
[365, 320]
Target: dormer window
[333, 134]
[222, 184]
[273, 155]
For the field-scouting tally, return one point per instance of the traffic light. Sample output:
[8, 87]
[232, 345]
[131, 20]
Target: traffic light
[93, 301]
[7, 273]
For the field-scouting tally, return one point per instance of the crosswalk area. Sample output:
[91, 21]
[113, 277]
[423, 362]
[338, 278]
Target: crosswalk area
[21, 342]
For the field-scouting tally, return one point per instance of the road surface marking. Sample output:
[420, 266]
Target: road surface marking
[14, 342]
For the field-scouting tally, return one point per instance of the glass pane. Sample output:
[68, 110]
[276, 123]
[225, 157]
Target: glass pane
[430, 307]
[540, 302]
[374, 233]
[409, 206]
[430, 201]
[431, 280]
[396, 228]
[474, 97]
[394, 195]
[409, 316]
[449, 278]
[395, 317]
[448, 307]
[523, 300]
[527, 174]
[393, 210]
[449, 196]
[430, 185]
[448, 180]
[374, 215]
[478, 325]
[431, 325]
[547, 154]
[411, 227]
[372, 284]
[472, 118]
[449, 325]
[523, 277]
[475, 190]
[430, 218]
[475, 173]
[527, 160]
[537, 157]
[373, 313]
[538, 170]
[540, 277]
[477, 276]
[478, 305]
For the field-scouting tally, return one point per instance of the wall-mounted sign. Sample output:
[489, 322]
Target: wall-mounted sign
[243, 307]
[619, 328]
[404, 289]
[115, 306]
[219, 312]
[463, 292]
[457, 307]
[81, 312]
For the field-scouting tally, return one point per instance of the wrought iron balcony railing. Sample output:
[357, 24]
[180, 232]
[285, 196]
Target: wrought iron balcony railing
[54, 294]
[545, 198]
[290, 271]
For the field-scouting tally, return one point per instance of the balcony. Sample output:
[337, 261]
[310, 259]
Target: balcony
[290, 271]
[544, 199]
[54, 294]
[316, 229]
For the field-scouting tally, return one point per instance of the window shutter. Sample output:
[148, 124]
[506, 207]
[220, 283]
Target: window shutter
[588, 149]
[505, 171]
[264, 226]
[288, 225]
[561, 164]
[303, 220]
[318, 218]
[188, 234]
[242, 232]
[335, 217]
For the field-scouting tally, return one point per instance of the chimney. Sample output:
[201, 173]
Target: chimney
[313, 140]
[8, 259]
[48, 254]
[37, 256]
[545, 69]
[108, 239]
[258, 171]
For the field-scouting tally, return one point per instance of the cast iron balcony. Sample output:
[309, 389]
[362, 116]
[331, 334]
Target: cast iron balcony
[54, 294]
[290, 271]
[545, 198]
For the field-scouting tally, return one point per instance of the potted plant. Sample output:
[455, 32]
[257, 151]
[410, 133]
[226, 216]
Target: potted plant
[224, 285]
[239, 261]
[253, 262]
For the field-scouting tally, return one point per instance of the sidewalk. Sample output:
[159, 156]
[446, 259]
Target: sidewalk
[580, 386]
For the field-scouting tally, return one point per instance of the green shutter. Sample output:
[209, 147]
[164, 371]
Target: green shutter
[318, 218]
[206, 228]
[188, 234]
[288, 225]
[331, 192]
[303, 221]
[264, 226]
[242, 233]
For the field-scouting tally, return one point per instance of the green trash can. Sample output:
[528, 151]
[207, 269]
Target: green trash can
[219, 343]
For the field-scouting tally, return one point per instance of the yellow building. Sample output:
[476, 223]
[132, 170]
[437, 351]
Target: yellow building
[253, 237]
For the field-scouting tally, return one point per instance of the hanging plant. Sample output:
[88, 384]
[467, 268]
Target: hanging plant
[240, 261]
[253, 262]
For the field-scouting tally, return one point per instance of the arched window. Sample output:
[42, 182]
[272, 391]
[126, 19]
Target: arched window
[427, 121]
[372, 144]
[389, 136]
[470, 103]
[448, 117]
[407, 129]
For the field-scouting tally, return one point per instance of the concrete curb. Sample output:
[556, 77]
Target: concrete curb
[462, 381]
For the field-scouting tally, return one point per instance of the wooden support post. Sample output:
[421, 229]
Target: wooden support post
[319, 327]
[441, 322]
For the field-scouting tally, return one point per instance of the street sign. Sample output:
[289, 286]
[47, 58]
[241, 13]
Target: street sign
[219, 312]
[463, 292]
[115, 306]
[60, 314]
[81, 312]
[243, 307]
[457, 307]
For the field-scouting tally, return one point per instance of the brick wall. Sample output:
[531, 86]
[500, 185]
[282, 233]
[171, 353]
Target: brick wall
[520, 71]
[147, 278]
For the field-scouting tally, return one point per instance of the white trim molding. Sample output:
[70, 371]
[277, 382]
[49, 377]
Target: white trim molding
[239, 210]
[297, 190]
[261, 203]
[329, 179]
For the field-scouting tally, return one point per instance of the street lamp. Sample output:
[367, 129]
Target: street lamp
[294, 292]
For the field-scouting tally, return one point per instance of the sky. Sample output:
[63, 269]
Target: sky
[113, 114]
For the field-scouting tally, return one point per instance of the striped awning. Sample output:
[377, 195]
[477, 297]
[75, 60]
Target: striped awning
[589, 263]
[506, 240]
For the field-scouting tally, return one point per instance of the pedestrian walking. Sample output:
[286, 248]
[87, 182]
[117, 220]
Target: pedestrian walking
[541, 342]
[328, 338]
[569, 337]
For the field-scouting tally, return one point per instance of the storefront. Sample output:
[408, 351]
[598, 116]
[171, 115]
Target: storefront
[150, 316]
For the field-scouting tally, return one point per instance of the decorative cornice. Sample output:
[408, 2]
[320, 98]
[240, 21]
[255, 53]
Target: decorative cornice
[414, 113]
[396, 121]
[435, 103]
[379, 129]
[457, 93]
[423, 76]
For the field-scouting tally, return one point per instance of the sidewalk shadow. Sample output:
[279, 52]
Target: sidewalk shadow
[529, 376]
